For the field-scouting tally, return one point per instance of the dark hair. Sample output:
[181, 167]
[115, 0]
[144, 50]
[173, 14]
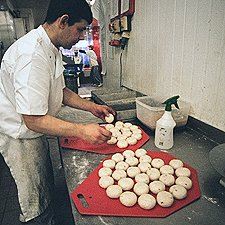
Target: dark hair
[75, 9]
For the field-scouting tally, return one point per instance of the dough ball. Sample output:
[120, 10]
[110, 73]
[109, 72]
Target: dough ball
[106, 181]
[165, 199]
[124, 129]
[153, 173]
[182, 172]
[185, 182]
[141, 188]
[131, 141]
[128, 153]
[116, 134]
[140, 152]
[109, 118]
[126, 183]
[117, 157]
[121, 137]
[131, 161]
[109, 126]
[114, 130]
[122, 144]
[166, 169]
[121, 166]
[119, 123]
[146, 201]
[145, 158]
[142, 177]
[157, 163]
[176, 163]
[119, 174]
[128, 125]
[157, 186]
[133, 171]
[144, 166]
[112, 140]
[104, 171]
[127, 133]
[137, 136]
[128, 198]
[133, 127]
[114, 191]
[178, 191]
[137, 131]
[109, 163]
[167, 179]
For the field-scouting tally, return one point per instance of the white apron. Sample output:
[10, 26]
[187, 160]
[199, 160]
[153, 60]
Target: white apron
[30, 165]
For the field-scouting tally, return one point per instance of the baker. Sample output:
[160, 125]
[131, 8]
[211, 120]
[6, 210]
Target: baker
[32, 91]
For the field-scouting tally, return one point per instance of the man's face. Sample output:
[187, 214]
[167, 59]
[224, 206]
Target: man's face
[72, 34]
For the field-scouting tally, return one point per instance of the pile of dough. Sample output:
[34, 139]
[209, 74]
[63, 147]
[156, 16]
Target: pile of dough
[123, 134]
[135, 177]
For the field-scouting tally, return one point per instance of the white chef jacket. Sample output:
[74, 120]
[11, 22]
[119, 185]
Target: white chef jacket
[31, 82]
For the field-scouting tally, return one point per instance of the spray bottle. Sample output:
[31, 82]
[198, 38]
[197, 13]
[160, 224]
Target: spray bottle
[165, 125]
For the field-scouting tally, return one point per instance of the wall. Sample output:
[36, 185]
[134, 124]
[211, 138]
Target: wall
[176, 47]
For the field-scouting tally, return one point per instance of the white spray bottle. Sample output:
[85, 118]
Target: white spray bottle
[165, 125]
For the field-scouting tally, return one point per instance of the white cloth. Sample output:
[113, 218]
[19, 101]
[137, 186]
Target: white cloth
[92, 57]
[31, 82]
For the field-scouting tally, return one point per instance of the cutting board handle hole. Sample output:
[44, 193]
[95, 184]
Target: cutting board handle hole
[82, 200]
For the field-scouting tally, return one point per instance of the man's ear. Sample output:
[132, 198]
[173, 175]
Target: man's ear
[63, 21]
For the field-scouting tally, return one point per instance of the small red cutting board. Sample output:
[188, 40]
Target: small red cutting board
[100, 204]
[79, 144]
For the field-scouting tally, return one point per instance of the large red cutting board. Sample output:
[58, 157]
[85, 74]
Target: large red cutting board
[100, 204]
[79, 144]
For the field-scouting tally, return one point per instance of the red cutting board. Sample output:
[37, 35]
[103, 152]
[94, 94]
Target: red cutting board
[79, 144]
[98, 203]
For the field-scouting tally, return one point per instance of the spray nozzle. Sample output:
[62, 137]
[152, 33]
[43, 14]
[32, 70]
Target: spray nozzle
[170, 101]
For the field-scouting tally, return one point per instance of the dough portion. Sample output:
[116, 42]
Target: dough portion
[133, 171]
[176, 163]
[121, 166]
[145, 158]
[131, 161]
[144, 166]
[126, 183]
[128, 198]
[122, 144]
[178, 191]
[141, 188]
[157, 163]
[182, 172]
[167, 179]
[186, 182]
[127, 153]
[104, 171]
[137, 136]
[114, 191]
[109, 126]
[109, 163]
[165, 199]
[119, 174]
[112, 140]
[140, 152]
[117, 157]
[131, 141]
[106, 181]
[142, 177]
[109, 118]
[157, 186]
[146, 201]
[153, 174]
[166, 169]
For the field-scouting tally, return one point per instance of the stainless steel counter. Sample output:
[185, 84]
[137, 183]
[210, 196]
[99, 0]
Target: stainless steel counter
[191, 147]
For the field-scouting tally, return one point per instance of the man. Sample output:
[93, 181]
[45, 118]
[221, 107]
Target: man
[32, 90]
[95, 73]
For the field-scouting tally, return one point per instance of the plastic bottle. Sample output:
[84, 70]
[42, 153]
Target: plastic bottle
[165, 125]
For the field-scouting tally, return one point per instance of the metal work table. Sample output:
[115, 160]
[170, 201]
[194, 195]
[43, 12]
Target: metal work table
[191, 147]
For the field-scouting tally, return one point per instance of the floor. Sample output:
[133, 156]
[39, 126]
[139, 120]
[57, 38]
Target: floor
[9, 206]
